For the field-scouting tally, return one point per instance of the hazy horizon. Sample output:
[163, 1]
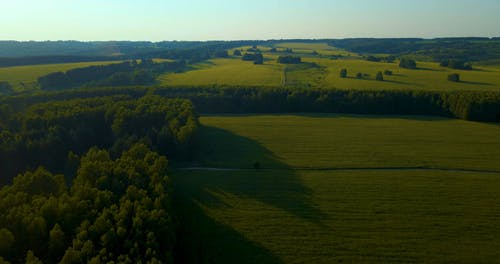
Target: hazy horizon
[197, 20]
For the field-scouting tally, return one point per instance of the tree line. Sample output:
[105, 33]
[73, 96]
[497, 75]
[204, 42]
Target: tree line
[118, 74]
[468, 105]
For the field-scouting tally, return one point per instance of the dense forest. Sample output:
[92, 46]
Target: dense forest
[439, 49]
[468, 105]
[118, 74]
[92, 182]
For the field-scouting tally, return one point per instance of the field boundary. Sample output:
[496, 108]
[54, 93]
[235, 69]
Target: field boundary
[423, 168]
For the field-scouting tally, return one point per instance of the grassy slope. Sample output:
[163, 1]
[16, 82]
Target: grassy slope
[29, 74]
[429, 76]
[228, 71]
[310, 216]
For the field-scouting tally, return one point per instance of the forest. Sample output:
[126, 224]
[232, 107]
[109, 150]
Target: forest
[92, 183]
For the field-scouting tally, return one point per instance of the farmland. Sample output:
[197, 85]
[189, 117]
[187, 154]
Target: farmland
[324, 72]
[25, 77]
[342, 188]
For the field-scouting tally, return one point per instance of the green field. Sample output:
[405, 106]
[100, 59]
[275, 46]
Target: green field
[335, 188]
[324, 72]
[229, 72]
[25, 77]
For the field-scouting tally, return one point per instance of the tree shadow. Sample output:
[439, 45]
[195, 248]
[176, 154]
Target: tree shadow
[273, 183]
[476, 83]
[429, 69]
[402, 83]
[201, 239]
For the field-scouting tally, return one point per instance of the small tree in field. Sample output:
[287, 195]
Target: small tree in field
[455, 77]
[343, 73]
[237, 52]
[380, 77]
[387, 72]
[359, 75]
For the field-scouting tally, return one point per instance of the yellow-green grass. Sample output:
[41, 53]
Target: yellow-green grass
[298, 209]
[321, 48]
[232, 71]
[340, 141]
[25, 77]
[428, 76]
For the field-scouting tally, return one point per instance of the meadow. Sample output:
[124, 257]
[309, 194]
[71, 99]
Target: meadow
[321, 71]
[341, 188]
[25, 77]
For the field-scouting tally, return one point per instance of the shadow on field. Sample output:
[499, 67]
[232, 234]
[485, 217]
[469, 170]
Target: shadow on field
[476, 83]
[201, 239]
[274, 184]
[279, 188]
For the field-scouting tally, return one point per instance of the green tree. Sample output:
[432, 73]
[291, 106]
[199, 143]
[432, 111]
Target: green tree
[343, 73]
[7, 240]
[379, 77]
[57, 242]
[32, 259]
[454, 77]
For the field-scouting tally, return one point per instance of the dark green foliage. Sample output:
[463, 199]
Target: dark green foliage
[379, 77]
[289, 60]
[454, 77]
[388, 72]
[5, 88]
[237, 52]
[221, 54]
[373, 59]
[257, 58]
[343, 73]
[119, 74]
[116, 210]
[359, 75]
[407, 63]
[44, 134]
[456, 64]
[465, 49]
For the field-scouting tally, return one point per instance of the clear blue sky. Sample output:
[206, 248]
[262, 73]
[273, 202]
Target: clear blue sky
[237, 19]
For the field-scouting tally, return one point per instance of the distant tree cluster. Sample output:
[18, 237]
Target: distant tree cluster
[119, 74]
[289, 60]
[456, 64]
[454, 77]
[343, 73]
[388, 59]
[407, 63]
[237, 52]
[257, 58]
[5, 88]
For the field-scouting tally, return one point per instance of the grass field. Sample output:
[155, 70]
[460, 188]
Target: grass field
[319, 197]
[428, 76]
[25, 77]
[229, 72]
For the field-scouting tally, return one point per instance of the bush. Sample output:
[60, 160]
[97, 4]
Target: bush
[289, 60]
[343, 73]
[359, 75]
[380, 77]
[237, 52]
[387, 72]
[455, 77]
[407, 63]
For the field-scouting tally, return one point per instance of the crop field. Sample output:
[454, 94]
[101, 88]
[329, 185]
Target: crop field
[335, 188]
[322, 72]
[25, 77]
[229, 72]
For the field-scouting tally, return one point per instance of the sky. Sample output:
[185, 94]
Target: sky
[157, 20]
